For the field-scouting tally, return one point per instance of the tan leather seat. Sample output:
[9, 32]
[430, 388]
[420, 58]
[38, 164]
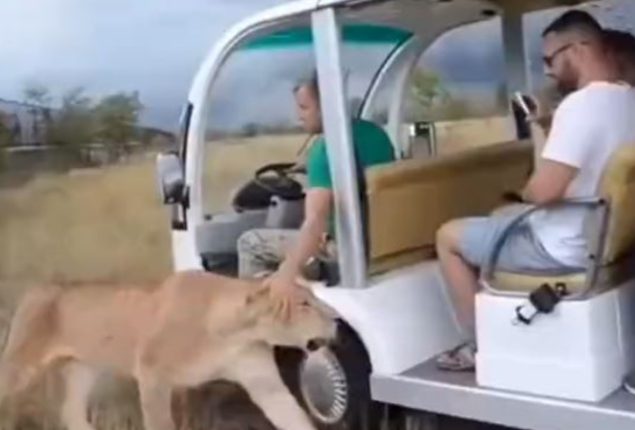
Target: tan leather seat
[613, 236]
[409, 200]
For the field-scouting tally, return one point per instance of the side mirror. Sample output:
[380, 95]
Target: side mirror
[171, 180]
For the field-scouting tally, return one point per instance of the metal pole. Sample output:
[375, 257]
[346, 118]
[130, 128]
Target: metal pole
[339, 144]
[515, 58]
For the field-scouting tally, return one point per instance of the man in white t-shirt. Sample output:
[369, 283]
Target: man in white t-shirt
[596, 118]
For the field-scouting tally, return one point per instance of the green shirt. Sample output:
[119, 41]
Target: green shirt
[372, 146]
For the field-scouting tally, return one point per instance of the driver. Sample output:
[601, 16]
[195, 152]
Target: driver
[259, 249]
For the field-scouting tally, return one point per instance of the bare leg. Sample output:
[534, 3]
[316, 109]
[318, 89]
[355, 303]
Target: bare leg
[461, 278]
[257, 372]
[79, 380]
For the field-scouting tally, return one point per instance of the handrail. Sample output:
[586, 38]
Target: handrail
[599, 204]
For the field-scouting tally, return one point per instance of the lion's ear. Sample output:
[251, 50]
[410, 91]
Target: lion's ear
[257, 303]
[258, 295]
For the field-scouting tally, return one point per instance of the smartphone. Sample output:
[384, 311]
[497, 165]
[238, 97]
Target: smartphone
[521, 100]
[525, 103]
[523, 108]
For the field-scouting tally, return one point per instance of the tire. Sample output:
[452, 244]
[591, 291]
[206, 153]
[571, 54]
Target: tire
[333, 385]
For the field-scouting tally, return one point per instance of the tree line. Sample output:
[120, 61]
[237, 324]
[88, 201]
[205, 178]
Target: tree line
[77, 120]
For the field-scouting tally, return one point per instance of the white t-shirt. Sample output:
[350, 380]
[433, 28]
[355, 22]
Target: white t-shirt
[588, 127]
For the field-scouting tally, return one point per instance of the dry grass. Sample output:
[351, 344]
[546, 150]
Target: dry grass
[456, 136]
[93, 225]
[235, 162]
[107, 224]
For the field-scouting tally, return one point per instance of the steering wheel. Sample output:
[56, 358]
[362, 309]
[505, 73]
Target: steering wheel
[280, 169]
[275, 178]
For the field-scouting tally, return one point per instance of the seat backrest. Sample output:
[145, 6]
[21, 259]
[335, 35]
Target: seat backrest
[409, 200]
[618, 187]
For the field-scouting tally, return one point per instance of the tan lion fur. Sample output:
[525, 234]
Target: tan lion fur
[193, 328]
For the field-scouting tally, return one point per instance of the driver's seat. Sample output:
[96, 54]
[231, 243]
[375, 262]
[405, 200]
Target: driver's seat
[266, 201]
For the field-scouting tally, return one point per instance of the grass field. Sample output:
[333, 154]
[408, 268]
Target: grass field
[107, 224]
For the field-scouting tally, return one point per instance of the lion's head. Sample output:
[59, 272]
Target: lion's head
[311, 324]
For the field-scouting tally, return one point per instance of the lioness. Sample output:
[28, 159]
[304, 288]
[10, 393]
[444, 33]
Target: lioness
[194, 328]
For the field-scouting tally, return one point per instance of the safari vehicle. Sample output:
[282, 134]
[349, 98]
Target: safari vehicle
[561, 369]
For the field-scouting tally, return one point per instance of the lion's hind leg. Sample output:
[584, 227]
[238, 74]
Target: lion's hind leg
[28, 342]
[79, 380]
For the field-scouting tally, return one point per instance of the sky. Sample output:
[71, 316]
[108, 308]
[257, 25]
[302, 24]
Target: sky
[153, 46]
[156, 46]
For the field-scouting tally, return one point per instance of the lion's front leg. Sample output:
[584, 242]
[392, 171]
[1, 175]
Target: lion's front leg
[156, 398]
[157, 359]
[257, 372]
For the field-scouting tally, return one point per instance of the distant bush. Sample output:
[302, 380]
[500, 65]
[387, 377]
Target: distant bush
[6, 138]
[426, 92]
[79, 121]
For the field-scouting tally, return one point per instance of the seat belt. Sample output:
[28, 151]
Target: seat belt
[363, 200]
[541, 301]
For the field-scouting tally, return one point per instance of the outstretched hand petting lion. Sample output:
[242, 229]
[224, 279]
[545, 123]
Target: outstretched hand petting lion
[194, 328]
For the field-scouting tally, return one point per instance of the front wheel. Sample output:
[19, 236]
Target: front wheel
[333, 384]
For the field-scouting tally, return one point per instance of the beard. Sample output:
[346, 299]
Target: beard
[567, 81]
[565, 87]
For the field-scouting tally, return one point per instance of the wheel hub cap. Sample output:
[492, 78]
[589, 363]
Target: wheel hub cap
[324, 387]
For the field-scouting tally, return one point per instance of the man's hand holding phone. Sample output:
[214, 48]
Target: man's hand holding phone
[527, 104]
[535, 112]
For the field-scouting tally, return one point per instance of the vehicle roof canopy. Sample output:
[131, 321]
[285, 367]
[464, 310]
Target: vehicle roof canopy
[381, 21]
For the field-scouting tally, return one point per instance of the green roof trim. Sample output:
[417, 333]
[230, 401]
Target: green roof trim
[353, 33]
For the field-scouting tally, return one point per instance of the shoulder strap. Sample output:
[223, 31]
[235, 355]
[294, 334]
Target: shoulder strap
[363, 199]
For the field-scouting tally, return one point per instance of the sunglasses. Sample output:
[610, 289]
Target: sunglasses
[549, 59]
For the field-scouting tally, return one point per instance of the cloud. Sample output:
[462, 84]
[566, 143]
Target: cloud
[475, 53]
[156, 47]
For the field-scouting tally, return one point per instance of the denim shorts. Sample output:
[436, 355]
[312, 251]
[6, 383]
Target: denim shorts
[522, 251]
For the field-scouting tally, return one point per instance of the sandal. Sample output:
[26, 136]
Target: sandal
[459, 359]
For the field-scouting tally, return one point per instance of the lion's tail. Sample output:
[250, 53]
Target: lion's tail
[27, 339]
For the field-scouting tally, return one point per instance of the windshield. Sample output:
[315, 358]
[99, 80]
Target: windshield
[252, 113]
